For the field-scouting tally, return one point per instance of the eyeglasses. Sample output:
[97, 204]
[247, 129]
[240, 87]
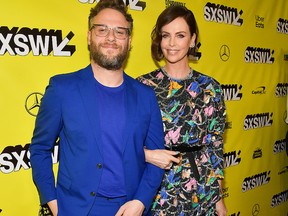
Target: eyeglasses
[103, 30]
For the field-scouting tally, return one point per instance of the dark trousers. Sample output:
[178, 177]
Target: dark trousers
[106, 206]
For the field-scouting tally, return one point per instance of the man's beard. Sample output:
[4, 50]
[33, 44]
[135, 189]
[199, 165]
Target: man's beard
[109, 63]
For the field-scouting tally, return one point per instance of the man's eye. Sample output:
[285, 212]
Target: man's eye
[120, 32]
[101, 30]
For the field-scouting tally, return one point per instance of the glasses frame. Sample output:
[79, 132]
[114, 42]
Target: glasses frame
[115, 31]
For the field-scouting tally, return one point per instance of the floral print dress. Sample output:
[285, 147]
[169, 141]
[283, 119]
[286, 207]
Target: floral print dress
[194, 114]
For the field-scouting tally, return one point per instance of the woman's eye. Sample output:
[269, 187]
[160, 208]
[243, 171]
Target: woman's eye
[180, 36]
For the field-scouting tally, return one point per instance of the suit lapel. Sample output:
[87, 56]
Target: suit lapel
[131, 107]
[88, 92]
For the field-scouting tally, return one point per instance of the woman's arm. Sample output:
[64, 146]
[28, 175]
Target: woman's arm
[161, 158]
[220, 205]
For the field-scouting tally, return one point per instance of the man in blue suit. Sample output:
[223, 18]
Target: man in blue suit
[104, 119]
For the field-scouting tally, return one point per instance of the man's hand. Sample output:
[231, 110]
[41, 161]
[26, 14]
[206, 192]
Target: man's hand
[131, 208]
[53, 207]
[161, 158]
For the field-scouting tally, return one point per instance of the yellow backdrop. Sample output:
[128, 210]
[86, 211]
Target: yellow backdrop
[242, 45]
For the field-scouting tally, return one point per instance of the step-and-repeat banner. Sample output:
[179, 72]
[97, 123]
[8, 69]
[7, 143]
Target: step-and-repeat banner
[243, 44]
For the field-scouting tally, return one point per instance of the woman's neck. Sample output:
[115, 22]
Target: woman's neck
[178, 71]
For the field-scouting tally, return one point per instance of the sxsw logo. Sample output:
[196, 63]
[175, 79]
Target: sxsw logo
[279, 146]
[258, 120]
[281, 90]
[282, 26]
[134, 4]
[279, 198]
[255, 181]
[232, 158]
[22, 41]
[13, 158]
[232, 92]
[259, 55]
[222, 14]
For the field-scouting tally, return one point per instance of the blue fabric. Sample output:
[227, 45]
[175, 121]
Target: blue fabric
[108, 207]
[69, 111]
[112, 121]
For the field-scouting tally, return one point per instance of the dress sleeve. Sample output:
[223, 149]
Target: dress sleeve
[215, 130]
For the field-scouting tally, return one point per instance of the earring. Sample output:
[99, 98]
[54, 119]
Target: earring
[191, 51]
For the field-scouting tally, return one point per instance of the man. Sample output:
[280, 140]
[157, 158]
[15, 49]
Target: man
[103, 119]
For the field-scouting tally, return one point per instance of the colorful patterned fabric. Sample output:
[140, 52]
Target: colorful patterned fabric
[45, 211]
[193, 113]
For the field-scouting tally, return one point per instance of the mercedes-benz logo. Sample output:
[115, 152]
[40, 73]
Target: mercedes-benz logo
[224, 53]
[32, 103]
[255, 209]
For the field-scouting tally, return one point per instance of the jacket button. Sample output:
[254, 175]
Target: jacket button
[92, 193]
[99, 166]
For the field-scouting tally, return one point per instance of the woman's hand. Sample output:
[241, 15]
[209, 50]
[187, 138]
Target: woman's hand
[161, 158]
[221, 208]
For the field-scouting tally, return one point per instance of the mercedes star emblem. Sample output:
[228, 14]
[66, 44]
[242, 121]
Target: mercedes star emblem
[32, 103]
[224, 53]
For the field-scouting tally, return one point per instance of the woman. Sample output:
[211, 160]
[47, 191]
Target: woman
[193, 113]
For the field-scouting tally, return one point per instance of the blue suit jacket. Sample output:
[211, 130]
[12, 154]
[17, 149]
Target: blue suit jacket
[69, 111]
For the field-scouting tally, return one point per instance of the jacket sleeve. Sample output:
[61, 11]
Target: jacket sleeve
[153, 175]
[47, 128]
[216, 129]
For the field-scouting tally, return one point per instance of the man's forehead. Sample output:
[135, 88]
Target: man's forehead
[110, 16]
